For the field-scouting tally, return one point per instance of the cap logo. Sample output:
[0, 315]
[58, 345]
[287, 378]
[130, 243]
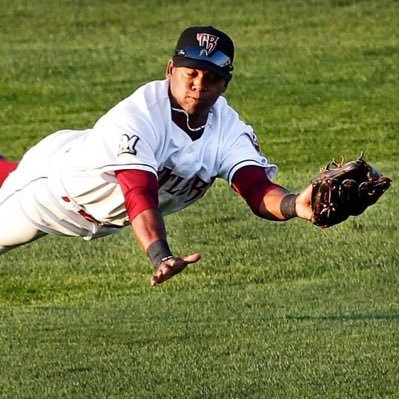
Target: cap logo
[208, 41]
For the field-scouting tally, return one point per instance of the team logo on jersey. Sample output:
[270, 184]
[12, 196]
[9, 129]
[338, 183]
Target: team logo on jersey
[187, 190]
[208, 41]
[128, 144]
[255, 143]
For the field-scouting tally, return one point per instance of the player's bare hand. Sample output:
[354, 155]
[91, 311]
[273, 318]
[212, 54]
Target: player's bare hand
[303, 204]
[171, 267]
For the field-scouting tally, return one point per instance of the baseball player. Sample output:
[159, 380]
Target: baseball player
[155, 152]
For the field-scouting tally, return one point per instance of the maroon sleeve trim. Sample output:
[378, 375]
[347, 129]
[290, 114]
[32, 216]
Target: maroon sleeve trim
[252, 184]
[140, 189]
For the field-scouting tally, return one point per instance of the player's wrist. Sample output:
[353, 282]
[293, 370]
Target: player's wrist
[288, 206]
[159, 252]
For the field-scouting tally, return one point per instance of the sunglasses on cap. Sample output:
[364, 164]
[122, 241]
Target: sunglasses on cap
[217, 58]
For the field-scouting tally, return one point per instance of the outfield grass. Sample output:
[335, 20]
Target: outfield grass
[273, 310]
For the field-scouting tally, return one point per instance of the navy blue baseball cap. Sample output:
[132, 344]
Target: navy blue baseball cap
[204, 47]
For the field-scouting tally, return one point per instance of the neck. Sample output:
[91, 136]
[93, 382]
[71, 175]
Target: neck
[181, 116]
[192, 122]
[182, 119]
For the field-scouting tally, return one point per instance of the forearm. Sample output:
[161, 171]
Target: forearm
[148, 227]
[140, 189]
[150, 232]
[278, 204]
[269, 200]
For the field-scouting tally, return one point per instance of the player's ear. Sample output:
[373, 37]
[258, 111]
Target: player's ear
[169, 69]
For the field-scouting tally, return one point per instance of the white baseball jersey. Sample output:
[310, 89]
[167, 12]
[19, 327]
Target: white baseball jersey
[138, 133]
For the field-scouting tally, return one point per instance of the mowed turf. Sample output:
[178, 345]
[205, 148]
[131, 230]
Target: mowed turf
[273, 310]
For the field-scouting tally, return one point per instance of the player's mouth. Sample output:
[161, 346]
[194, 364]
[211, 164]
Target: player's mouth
[197, 99]
[197, 104]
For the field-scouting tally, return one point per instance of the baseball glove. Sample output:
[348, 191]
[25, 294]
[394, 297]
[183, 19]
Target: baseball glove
[345, 189]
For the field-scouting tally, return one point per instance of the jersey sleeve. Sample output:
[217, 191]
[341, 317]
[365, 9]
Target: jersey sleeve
[140, 189]
[130, 141]
[242, 149]
[251, 183]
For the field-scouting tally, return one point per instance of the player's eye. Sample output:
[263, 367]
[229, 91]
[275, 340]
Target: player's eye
[192, 74]
[212, 77]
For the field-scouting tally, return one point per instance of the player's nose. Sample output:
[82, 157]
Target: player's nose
[199, 83]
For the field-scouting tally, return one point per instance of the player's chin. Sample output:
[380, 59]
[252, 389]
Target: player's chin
[196, 106]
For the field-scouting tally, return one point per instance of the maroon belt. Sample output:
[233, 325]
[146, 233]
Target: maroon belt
[88, 217]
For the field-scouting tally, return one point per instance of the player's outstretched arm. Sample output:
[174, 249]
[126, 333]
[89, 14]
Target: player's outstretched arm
[140, 189]
[150, 231]
[269, 200]
[279, 204]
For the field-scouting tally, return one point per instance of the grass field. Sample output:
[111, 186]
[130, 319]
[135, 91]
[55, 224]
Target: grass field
[273, 310]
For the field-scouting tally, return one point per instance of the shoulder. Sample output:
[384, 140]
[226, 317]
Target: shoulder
[228, 121]
[222, 107]
[144, 104]
[151, 93]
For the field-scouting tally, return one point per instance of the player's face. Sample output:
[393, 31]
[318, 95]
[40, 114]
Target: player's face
[195, 90]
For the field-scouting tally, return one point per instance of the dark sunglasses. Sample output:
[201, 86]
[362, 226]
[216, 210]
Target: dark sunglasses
[217, 58]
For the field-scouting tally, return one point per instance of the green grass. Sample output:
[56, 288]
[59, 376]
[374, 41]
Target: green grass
[273, 310]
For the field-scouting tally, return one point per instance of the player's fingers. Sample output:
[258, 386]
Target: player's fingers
[172, 267]
[157, 279]
[192, 258]
[163, 274]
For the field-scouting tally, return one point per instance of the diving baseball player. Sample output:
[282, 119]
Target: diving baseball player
[155, 152]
